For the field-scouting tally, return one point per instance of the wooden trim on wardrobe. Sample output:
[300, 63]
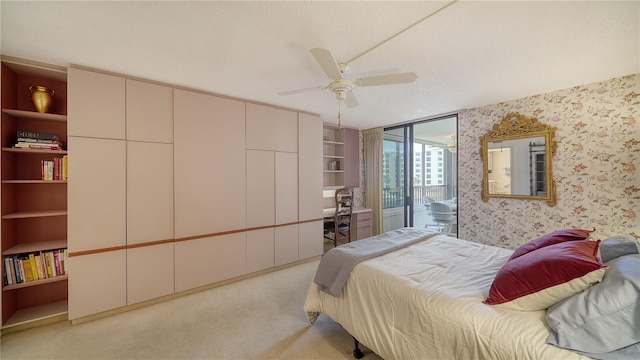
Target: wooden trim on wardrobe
[195, 237]
[150, 243]
[97, 251]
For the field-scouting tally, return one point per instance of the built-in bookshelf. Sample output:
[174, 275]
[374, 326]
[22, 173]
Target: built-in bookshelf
[33, 195]
[340, 157]
[333, 158]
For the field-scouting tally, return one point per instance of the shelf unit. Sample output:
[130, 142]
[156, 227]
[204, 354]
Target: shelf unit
[34, 211]
[332, 152]
[342, 146]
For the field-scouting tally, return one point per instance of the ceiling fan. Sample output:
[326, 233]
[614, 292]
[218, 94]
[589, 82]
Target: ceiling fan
[343, 87]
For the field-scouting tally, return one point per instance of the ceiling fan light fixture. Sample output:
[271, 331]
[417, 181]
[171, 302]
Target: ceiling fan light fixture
[341, 87]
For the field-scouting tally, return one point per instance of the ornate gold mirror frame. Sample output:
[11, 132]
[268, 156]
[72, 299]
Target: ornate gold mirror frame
[527, 176]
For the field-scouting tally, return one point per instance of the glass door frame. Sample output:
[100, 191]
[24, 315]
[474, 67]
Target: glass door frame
[408, 164]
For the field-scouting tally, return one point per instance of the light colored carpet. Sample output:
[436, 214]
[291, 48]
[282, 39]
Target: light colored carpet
[256, 318]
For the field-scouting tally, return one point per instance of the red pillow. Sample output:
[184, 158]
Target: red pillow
[550, 239]
[541, 278]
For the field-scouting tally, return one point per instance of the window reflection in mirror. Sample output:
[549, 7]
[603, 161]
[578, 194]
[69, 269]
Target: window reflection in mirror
[517, 167]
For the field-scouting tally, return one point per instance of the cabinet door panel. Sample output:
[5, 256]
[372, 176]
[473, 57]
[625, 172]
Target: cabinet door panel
[96, 194]
[286, 188]
[149, 112]
[260, 249]
[273, 129]
[261, 206]
[310, 167]
[286, 244]
[209, 260]
[97, 283]
[149, 272]
[96, 104]
[209, 164]
[310, 239]
[149, 192]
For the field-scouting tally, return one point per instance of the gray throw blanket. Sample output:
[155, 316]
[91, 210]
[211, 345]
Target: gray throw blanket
[336, 265]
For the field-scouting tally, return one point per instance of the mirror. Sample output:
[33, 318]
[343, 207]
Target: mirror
[516, 157]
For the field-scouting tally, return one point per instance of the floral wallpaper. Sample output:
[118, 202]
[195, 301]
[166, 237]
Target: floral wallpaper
[596, 167]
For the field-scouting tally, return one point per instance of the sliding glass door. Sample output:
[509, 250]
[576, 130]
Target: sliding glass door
[419, 166]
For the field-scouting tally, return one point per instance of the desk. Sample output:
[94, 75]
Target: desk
[361, 221]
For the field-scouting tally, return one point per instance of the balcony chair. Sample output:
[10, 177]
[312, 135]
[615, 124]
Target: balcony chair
[443, 214]
[427, 203]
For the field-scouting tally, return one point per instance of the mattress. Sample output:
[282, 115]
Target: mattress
[424, 301]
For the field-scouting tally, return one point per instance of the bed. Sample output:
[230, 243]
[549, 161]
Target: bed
[424, 300]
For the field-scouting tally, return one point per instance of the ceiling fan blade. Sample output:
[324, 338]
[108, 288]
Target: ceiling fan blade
[401, 78]
[298, 91]
[327, 62]
[351, 100]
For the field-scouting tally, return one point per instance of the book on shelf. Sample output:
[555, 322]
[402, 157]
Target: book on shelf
[56, 263]
[16, 269]
[36, 135]
[41, 273]
[50, 171]
[28, 271]
[8, 279]
[37, 146]
[47, 263]
[51, 264]
[12, 271]
[65, 167]
[20, 268]
[37, 140]
[62, 256]
[33, 266]
[55, 169]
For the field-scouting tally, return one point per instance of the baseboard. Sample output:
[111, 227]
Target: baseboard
[186, 292]
[34, 324]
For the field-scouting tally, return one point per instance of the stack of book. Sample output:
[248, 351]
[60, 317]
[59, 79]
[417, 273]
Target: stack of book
[34, 266]
[37, 140]
[56, 169]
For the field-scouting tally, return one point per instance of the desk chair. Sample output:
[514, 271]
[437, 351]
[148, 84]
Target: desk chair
[443, 214]
[339, 227]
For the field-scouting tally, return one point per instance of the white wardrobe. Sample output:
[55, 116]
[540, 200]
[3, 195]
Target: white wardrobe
[172, 189]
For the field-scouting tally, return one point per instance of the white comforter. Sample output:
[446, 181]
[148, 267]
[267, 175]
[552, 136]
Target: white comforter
[425, 302]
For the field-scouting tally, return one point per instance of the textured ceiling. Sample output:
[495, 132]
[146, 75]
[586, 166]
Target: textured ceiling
[470, 54]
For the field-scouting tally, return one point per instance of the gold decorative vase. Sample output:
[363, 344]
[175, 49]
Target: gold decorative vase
[42, 97]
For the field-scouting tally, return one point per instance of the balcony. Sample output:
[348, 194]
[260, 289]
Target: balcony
[393, 211]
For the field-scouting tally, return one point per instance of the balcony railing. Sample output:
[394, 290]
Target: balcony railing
[394, 197]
